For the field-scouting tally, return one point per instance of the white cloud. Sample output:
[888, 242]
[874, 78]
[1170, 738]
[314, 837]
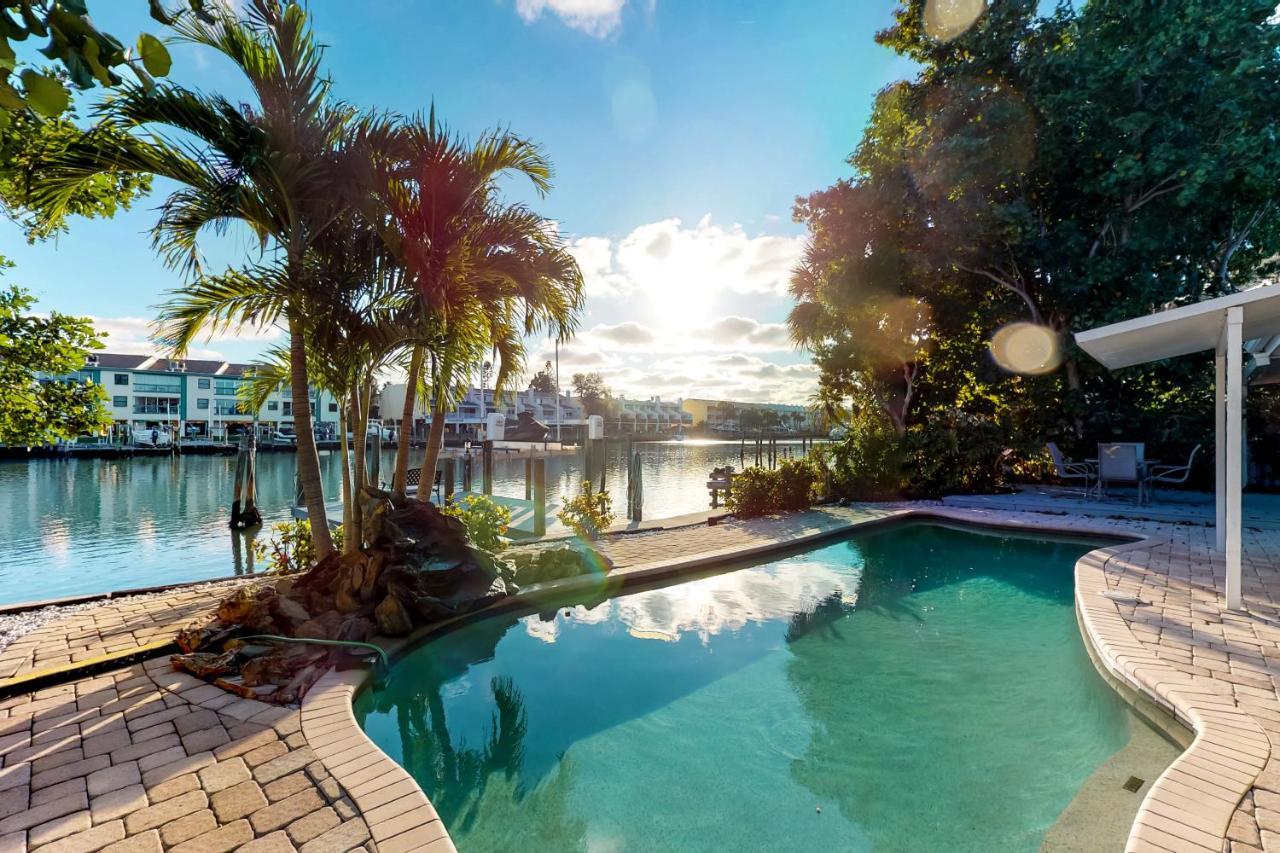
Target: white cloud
[598, 18]
[132, 335]
[666, 258]
[629, 333]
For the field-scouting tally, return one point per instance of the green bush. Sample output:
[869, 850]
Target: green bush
[799, 483]
[486, 521]
[588, 514]
[868, 463]
[954, 451]
[290, 548]
[756, 491]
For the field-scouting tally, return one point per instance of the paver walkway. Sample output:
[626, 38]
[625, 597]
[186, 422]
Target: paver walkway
[114, 626]
[144, 759]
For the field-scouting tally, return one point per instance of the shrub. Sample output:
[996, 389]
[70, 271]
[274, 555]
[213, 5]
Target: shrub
[867, 464]
[798, 483]
[756, 491]
[290, 548]
[954, 451]
[486, 520]
[588, 514]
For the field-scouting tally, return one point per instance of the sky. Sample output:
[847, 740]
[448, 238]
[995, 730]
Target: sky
[681, 132]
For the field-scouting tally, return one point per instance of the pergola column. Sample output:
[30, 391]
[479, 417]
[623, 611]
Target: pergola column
[1233, 342]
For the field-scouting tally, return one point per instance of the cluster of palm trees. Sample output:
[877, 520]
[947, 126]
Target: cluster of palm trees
[384, 241]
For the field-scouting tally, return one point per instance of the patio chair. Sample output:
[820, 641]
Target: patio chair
[1172, 474]
[1120, 463]
[1068, 470]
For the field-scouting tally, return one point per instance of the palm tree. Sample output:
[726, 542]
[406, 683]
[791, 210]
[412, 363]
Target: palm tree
[484, 273]
[274, 166]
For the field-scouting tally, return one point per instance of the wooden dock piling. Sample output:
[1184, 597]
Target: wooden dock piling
[486, 461]
[539, 472]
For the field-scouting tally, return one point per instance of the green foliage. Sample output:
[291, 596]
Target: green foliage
[591, 389]
[756, 491]
[88, 56]
[290, 548]
[1066, 169]
[486, 521]
[954, 451]
[799, 483]
[544, 381]
[37, 405]
[868, 462]
[26, 142]
[589, 513]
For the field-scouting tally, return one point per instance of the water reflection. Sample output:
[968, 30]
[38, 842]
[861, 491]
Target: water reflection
[91, 525]
[712, 605]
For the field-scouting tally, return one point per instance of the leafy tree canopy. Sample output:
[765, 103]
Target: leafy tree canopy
[544, 381]
[26, 142]
[592, 390]
[33, 411]
[1065, 170]
[87, 56]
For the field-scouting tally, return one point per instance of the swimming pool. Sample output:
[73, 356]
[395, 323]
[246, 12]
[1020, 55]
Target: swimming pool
[918, 687]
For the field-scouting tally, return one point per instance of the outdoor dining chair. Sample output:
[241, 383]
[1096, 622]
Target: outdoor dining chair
[1068, 470]
[1121, 463]
[1172, 474]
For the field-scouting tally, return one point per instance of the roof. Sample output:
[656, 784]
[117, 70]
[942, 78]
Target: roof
[1188, 329]
[196, 367]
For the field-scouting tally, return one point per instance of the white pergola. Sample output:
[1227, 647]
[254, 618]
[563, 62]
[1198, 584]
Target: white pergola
[1235, 326]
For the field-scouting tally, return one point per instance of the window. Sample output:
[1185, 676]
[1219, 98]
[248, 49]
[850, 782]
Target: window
[155, 405]
[202, 403]
[333, 407]
[159, 384]
[122, 379]
[225, 407]
[203, 384]
[288, 409]
[120, 402]
[225, 387]
[272, 405]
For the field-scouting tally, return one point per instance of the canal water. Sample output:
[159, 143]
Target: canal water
[75, 527]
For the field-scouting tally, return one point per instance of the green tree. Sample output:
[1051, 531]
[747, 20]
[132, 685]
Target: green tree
[88, 56]
[544, 381]
[275, 166]
[38, 405]
[26, 143]
[593, 391]
[1065, 170]
[482, 274]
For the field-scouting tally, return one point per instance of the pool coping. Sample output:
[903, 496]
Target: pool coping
[1189, 806]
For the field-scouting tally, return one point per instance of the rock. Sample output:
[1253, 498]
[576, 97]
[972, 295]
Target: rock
[291, 612]
[284, 587]
[267, 669]
[204, 664]
[235, 607]
[368, 586]
[358, 629]
[392, 618]
[345, 598]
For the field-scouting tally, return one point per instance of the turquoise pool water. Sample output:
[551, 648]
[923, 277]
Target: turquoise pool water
[917, 688]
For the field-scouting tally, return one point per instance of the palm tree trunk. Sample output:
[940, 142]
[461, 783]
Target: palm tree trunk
[308, 458]
[356, 532]
[431, 455]
[349, 544]
[401, 473]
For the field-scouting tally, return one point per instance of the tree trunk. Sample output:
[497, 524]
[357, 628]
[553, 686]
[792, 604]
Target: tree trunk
[349, 544]
[357, 476]
[435, 438]
[308, 458]
[401, 472]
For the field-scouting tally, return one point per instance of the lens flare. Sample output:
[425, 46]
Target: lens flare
[1026, 348]
[946, 19]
